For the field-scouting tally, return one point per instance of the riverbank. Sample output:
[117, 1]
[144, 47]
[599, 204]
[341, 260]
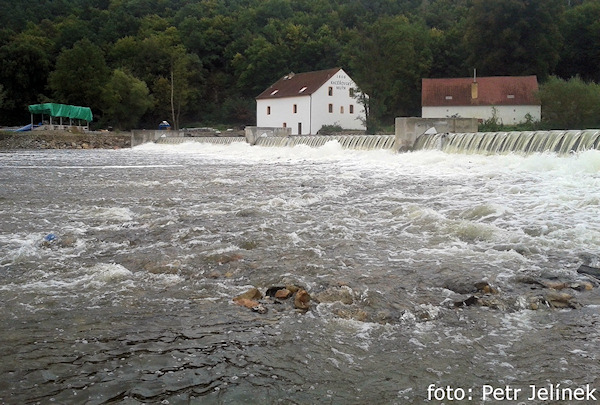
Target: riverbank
[64, 140]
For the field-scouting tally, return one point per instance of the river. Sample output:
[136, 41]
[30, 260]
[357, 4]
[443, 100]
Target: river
[434, 277]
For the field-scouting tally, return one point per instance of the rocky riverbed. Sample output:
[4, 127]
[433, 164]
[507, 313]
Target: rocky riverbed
[64, 140]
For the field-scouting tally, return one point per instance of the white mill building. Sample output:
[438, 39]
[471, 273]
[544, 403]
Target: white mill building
[305, 102]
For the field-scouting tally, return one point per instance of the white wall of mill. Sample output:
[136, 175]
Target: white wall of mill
[341, 84]
[506, 114]
[282, 112]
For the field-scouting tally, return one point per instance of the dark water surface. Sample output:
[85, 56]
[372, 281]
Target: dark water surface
[118, 269]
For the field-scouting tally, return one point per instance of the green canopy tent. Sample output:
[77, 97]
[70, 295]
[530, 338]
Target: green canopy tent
[61, 111]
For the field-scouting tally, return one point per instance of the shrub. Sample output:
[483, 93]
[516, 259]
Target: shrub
[572, 104]
[330, 129]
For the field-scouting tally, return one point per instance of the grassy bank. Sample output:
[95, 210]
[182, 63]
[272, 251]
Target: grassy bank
[64, 140]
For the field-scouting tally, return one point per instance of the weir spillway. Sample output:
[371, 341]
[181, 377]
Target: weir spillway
[220, 140]
[526, 142]
[488, 143]
[363, 142]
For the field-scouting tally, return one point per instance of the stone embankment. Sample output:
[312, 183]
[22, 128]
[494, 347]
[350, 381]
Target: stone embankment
[64, 140]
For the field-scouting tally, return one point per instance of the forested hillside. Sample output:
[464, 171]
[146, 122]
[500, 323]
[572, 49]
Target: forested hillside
[137, 62]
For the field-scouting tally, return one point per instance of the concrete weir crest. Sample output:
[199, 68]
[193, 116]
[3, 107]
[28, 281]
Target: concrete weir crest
[408, 129]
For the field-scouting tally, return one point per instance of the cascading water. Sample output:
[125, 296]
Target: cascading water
[560, 142]
[491, 143]
[225, 140]
[363, 142]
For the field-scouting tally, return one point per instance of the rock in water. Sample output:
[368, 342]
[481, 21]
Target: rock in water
[251, 294]
[333, 294]
[251, 304]
[485, 287]
[472, 300]
[272, 291]
[561, 300]
[592, 271]
[245, 302]
[283, 294]
[302, 300]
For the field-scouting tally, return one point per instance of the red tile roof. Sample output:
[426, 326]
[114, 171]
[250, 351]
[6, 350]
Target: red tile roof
[499, 90]
[291, 85]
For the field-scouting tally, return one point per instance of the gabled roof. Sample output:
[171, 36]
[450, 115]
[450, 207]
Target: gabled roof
[498, 90]
[300, 84]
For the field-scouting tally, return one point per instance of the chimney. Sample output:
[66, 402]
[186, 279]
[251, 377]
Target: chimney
[474, 90]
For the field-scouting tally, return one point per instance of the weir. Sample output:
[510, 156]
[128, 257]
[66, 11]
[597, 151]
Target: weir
[220, 140]
[490, 143]
[363, 142]
[526, 142]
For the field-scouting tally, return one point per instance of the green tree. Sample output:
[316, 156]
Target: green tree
[80, 74]
[447, 21]
[259, 65]
[2, 95]
[125, 99]
[444, 14]
[24, 70]
[70, 30]
[388, 59]
[572, 104]
[159, 58]
[581, 30]
[183, 70]
[514, 37]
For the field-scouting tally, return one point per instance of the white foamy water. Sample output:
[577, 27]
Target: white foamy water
[118, 270]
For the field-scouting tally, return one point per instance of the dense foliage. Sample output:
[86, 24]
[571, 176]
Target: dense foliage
[137, 62]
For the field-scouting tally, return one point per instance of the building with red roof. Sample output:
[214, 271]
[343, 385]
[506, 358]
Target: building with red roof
[511, 99]
[305, 102]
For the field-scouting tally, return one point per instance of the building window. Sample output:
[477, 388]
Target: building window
[330, 108]
[341, 109]
[351, 92]
[330, 91]
[274, 92]
[285, 124]
[268, 110]
[302, 89]
[510, 96]
[351, 109]
[295, 108]
[448, 97]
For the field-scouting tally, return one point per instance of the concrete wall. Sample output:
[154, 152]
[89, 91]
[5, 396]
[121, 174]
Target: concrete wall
[253, 133]
[506, 114]
[408, 129]
[140, 136]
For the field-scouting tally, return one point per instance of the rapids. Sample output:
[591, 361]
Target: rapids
[118, 269]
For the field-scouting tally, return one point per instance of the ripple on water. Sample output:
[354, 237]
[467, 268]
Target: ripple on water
[133, 301]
